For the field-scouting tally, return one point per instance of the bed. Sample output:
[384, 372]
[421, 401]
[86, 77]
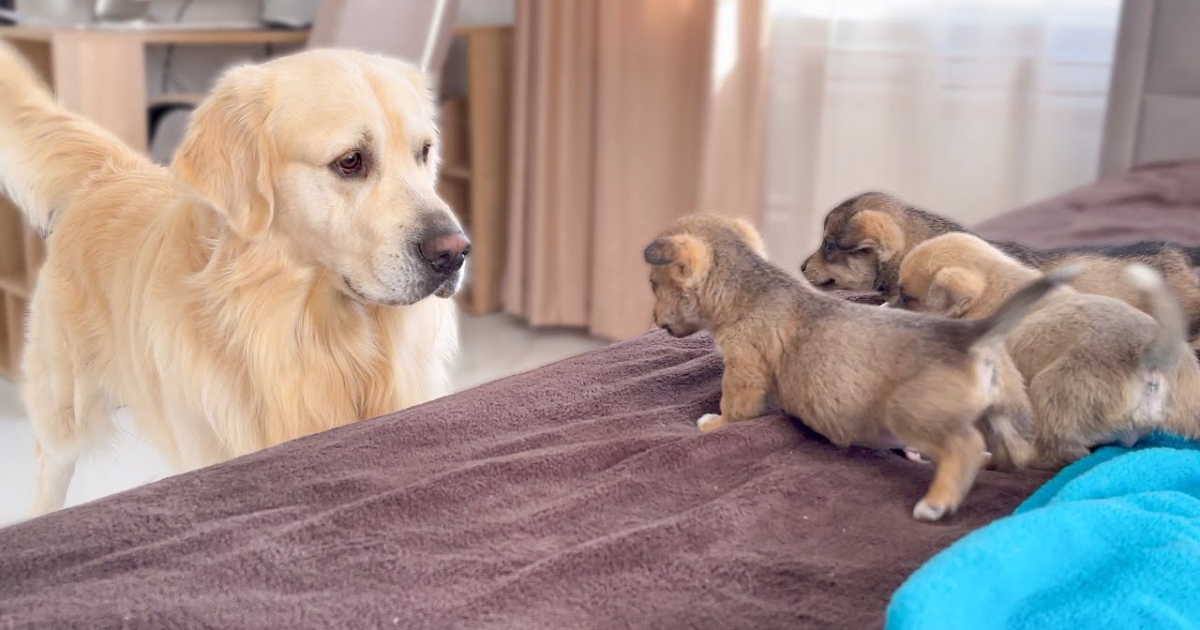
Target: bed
[578, 495]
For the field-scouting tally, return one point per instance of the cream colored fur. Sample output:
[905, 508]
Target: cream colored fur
[248, 294]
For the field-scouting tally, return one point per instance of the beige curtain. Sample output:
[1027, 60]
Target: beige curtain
[966, 107]
[627, 115]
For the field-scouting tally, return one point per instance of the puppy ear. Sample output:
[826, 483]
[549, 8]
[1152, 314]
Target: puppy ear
[226, 154]
[882, 233]
[687, 257]
[750, 235]
[953, 291]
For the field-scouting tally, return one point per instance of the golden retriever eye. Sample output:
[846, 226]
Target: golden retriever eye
[350, 164]
[424, 159]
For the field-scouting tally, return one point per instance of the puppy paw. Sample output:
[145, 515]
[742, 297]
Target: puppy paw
[710, 422]
[926, 511]
[915, 456]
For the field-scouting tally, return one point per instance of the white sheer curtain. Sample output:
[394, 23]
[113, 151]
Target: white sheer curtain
[966, 107]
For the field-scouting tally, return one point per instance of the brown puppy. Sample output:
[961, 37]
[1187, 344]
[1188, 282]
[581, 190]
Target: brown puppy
[867, 236]
[1097, 369]
[857, 374]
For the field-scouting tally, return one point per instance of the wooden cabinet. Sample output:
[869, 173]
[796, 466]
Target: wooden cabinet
[20, 257]
[475, 157]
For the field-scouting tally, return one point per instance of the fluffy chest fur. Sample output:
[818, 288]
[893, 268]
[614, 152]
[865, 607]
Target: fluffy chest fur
[312, 360]
[224, 348]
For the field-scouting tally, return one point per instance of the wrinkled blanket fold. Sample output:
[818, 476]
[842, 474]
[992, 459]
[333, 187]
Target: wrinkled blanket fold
[1112, 542]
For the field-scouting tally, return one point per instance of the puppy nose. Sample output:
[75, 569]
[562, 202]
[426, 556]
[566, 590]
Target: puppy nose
[445, 252]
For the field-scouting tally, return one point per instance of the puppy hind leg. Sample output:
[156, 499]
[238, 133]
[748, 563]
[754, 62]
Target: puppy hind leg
[927, 417]
[1181, 415]
[1007, 423]
[958, 460]
[1009, 445]
[1063, 432]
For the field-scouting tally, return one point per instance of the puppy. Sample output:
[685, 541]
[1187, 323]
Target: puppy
[1098, 370]
[277, 280]
[857, 374]
[867, 236]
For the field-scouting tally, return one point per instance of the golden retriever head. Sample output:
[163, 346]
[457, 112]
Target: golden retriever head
[681, 259]
[331, 156]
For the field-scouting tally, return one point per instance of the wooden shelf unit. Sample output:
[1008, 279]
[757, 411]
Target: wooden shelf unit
[21, 256]
[475, 157]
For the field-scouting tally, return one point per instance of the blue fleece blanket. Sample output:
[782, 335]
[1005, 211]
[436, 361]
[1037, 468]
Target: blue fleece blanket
[1112, 541]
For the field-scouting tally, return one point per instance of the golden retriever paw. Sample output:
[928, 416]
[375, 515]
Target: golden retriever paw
[926, 511]
[710, 422]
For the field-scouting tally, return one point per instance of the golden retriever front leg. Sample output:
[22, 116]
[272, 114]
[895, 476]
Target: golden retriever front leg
[743, 390]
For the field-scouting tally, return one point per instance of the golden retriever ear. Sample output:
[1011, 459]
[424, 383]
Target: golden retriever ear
[881, 233]
[226, 154]
[953, 291]
[750, 235]
[687, 257]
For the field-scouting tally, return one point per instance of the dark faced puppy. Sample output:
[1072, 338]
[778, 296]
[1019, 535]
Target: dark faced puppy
[857, 374]
[867, 236]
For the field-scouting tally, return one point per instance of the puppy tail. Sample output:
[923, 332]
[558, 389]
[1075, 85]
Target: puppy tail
[48, 155]
[1172, 321]
[996, 327]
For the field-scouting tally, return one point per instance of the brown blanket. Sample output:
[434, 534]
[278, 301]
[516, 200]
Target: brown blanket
[575, 496]
[1155, 202]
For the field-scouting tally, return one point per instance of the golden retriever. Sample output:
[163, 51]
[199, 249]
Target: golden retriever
[273, 282]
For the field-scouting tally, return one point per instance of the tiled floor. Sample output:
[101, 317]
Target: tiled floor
[493, 346]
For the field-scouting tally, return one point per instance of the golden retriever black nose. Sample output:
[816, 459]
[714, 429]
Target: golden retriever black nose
[446, 253]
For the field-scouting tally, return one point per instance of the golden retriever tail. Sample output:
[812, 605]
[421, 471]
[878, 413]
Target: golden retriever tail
[1171, 338]
[49, 155]
[996, 327]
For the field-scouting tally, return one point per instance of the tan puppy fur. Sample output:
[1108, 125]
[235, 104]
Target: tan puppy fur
[270, 284]
[867, 236]
[857, 374]
[1097, 369]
